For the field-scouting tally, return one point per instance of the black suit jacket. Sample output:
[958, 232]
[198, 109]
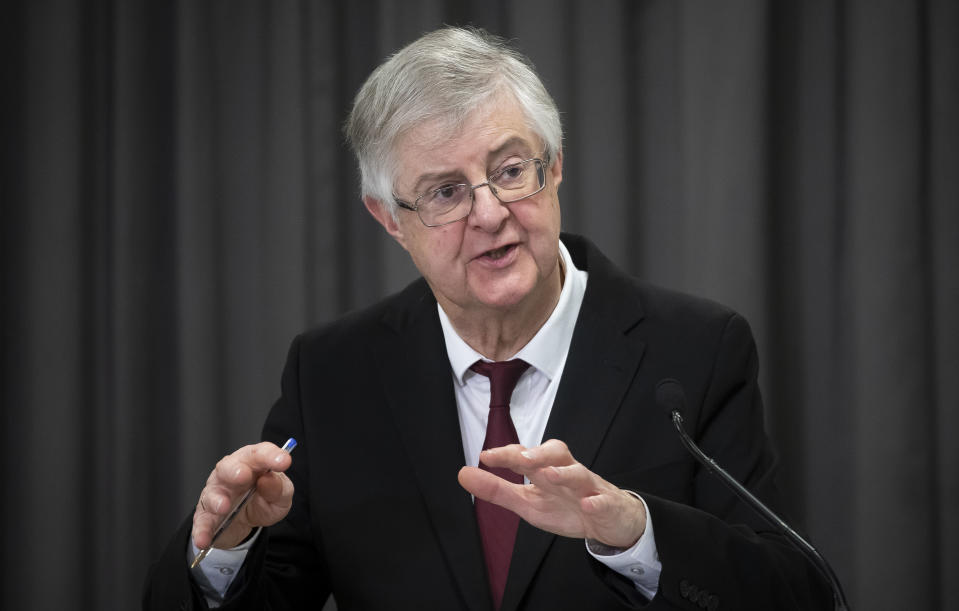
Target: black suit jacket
[380, 521]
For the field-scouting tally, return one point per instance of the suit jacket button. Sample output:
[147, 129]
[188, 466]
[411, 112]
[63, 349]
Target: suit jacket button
[684, 588]
[713, 602]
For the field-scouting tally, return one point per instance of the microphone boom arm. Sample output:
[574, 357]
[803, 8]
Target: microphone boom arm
[814, 556]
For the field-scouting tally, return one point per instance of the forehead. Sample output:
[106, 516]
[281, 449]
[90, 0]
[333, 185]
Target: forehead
[496, 129]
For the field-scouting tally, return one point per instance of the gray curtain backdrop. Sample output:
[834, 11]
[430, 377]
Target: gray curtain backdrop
[177, 203]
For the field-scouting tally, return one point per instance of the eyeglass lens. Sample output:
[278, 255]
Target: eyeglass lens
[453, 202]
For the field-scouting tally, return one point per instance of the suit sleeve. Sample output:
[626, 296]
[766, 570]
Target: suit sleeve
[716, 552]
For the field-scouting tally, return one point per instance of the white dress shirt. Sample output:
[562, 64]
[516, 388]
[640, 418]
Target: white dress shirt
[535, 391]
[530, 407]
[532, 402]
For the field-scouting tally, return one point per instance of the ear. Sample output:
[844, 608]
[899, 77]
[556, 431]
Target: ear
[384, 217]
[556, 171]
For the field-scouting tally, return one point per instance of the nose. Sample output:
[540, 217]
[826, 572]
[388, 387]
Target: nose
[488, 213]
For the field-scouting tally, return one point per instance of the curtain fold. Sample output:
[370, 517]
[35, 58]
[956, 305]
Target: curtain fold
[178, 202]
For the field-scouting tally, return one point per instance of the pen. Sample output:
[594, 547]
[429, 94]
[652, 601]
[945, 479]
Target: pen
[287, 447]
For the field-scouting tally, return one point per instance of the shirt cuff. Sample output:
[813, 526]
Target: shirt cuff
[218, 570]
[639, 563]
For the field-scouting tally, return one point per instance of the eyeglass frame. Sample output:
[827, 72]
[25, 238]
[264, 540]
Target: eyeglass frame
[414, 207]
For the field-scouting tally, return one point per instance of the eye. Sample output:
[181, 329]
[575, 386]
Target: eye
[446, 192]
[510, 176]
[445, 196]
[513, 171]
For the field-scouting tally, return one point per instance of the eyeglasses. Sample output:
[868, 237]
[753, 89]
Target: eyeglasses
[454, 202]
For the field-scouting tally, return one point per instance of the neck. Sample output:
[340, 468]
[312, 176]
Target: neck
[499, 334]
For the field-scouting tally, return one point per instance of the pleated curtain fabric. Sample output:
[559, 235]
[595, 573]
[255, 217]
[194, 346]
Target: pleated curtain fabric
[177, 203]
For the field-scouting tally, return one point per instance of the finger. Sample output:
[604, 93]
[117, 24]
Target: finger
[204, 524]
[242, 466]
[484, 485]
[269, 456]
[216, 500]
[575, 480]
[554, 513]
[549, 453]
[275, 488]
[517, 457]
[213, 505]
[232, 476]
[272, 501]
[505, 456]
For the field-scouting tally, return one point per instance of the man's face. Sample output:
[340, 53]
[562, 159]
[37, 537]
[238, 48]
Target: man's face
[502, 258]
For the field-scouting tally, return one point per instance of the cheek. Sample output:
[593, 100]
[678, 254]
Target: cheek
[541, 223]
[438, 253]
[445, 243]
[544, 237]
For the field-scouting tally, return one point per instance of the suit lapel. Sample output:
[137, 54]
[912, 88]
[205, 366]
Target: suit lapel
[602, 362]
[419, 384]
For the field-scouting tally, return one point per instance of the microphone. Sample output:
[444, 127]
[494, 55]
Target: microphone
[671, 397]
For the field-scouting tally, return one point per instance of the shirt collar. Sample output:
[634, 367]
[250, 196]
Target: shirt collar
[547, 351]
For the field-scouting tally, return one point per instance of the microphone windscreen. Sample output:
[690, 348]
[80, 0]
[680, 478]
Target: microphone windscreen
[670, 396]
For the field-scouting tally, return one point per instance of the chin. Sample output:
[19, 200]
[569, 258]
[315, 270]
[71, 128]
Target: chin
[505, 298]
[523, 285]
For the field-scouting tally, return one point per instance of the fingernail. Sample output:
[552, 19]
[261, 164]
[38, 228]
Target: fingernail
[527, 454]
[279, 458]
[236, 474]
[219, 503]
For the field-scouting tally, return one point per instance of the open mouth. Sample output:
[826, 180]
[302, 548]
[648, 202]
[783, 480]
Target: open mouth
[499, 253]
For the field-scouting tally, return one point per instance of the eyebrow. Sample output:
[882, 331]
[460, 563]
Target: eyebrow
[417, 189]
[511, 142]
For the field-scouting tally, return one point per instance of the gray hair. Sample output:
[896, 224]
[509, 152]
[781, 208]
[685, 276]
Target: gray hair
[443, 76]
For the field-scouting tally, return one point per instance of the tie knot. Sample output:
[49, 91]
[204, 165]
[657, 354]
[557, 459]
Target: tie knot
[503, 376]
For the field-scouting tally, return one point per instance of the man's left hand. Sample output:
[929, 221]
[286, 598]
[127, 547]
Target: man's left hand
[563, 496]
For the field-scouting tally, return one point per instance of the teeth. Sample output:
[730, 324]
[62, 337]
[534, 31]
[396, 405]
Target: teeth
[498, 253]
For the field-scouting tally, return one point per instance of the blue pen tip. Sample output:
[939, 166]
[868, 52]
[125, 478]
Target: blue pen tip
[290, 444]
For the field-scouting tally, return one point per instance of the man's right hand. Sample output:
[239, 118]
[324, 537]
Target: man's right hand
[262, 464]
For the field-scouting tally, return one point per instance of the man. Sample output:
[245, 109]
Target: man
[391, 500]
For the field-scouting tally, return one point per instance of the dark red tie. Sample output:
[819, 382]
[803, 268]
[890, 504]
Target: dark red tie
[497, 525]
